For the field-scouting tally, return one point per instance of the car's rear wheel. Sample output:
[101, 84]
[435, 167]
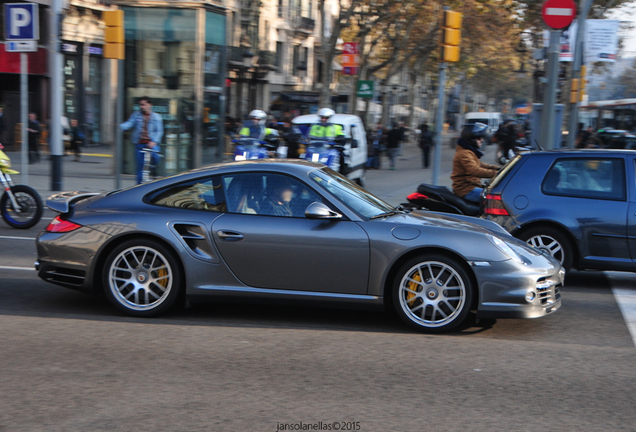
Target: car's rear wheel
[551, 241]
[141, 278]
[432, 293]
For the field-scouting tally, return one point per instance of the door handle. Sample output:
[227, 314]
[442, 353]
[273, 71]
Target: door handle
[230, 235]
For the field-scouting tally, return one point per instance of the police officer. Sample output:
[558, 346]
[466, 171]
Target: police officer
[255, 127]
[324, 129]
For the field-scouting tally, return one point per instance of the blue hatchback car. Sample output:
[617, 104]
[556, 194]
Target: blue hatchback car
[577, 205]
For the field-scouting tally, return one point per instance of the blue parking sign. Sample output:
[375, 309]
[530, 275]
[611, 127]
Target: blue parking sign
[21, 21]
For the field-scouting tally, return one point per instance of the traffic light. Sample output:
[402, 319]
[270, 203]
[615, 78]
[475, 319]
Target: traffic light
[114, 34]
[574, 91]
[583, 83]
[451, 36]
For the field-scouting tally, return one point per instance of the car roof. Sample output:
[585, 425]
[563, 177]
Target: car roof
[579, 152]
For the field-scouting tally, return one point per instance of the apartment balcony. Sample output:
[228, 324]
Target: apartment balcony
[303, 26]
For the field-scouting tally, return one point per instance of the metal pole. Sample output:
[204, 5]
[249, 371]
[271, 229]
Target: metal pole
[55, 129]
[439, 123]
[576, 69]
[119, 113]
[24, 112]
[548, 121]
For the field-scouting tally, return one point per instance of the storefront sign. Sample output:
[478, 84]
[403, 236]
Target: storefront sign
[70, 48]
[95, 50]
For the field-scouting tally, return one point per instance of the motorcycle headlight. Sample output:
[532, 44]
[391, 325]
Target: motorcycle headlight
[506, 249]
[5, 162]
[239, 158]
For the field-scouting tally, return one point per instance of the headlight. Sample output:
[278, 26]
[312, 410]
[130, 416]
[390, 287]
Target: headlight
[506, 249]
[239, 158]
[5, 162]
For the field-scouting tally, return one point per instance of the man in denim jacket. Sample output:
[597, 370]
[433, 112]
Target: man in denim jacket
[147, 132]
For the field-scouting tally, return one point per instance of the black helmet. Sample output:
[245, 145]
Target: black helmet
[472, 132]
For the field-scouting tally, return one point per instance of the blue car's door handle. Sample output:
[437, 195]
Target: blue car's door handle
[230, 235]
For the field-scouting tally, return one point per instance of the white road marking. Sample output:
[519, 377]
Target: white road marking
[624, 289]
[17, 268]
[17, 238]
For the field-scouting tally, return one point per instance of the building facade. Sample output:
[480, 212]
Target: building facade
[176, 55]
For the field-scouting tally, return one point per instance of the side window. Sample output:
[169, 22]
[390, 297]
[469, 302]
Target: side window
[586, 178]
[201, 194]
[268, 195]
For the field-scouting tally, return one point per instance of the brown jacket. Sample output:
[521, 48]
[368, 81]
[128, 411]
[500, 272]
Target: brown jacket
[468, 171]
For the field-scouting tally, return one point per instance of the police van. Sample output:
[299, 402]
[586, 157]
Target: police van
[355, 150]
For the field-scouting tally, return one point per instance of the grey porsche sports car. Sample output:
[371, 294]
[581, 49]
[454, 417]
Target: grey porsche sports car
[292, 230]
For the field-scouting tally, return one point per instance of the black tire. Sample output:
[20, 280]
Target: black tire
[419, 304]
[128, 272]
[30, 203]
[542, 237]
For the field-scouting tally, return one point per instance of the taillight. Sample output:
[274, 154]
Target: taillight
[494, 205]
[59, 225]
[416, 196]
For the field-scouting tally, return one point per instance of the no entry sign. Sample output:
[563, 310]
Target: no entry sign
[558, 14]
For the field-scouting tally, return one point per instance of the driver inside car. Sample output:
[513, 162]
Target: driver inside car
[279, 198]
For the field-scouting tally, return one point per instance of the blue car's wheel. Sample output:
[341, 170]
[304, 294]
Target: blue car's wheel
[552, 242]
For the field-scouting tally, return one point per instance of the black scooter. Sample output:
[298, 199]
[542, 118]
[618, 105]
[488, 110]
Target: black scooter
[440, 199]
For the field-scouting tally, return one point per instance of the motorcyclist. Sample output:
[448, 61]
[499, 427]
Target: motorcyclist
[255, 126]
[324, 129]
[468, 170]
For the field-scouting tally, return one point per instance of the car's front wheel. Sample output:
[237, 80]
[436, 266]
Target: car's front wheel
[432, 293]
[551, 241]
[141, 278]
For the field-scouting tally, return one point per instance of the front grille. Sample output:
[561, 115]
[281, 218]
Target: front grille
[548, 291]
[66, 276]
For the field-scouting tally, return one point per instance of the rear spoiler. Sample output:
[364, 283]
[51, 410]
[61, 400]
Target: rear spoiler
[62, 202]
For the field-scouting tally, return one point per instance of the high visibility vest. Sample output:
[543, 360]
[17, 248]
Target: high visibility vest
[325, 131]
[255, 131]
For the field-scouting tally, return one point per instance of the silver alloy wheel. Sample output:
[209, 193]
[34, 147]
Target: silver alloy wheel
[432, 294]
[548, 244]
[140, 278]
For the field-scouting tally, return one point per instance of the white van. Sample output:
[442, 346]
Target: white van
[491, 119]
[355, 152]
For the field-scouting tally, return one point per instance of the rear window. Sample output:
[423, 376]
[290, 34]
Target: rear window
[504, 172]
[201, 194]
[597, 178]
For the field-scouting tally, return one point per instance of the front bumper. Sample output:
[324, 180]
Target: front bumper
[511, 290]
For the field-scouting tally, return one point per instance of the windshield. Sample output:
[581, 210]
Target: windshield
[349, 193]
[475, 120]
[248, 142]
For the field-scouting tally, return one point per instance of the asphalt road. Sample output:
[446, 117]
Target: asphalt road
[70, 362]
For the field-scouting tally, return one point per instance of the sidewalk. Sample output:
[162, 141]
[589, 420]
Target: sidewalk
[95, 172]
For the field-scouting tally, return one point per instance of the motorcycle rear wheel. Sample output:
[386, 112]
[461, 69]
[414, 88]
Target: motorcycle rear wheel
[30, 203]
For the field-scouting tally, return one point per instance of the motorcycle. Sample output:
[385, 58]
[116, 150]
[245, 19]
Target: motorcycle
[21, 206]
[325, 152]
[252, 148]
[440, 199]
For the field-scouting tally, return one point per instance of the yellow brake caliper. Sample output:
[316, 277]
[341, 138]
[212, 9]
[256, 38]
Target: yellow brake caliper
[161, 275]
[412, 289]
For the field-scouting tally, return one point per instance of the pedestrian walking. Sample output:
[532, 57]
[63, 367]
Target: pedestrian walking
[426, 142]
[376, 144]
[147, 133]
[77, 139]
[393, 142]
[33, 128]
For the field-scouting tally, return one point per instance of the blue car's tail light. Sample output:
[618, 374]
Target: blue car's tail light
[494, 205]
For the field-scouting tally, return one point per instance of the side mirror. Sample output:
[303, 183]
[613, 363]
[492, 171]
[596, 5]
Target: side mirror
[354, 143]
[318, 210]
